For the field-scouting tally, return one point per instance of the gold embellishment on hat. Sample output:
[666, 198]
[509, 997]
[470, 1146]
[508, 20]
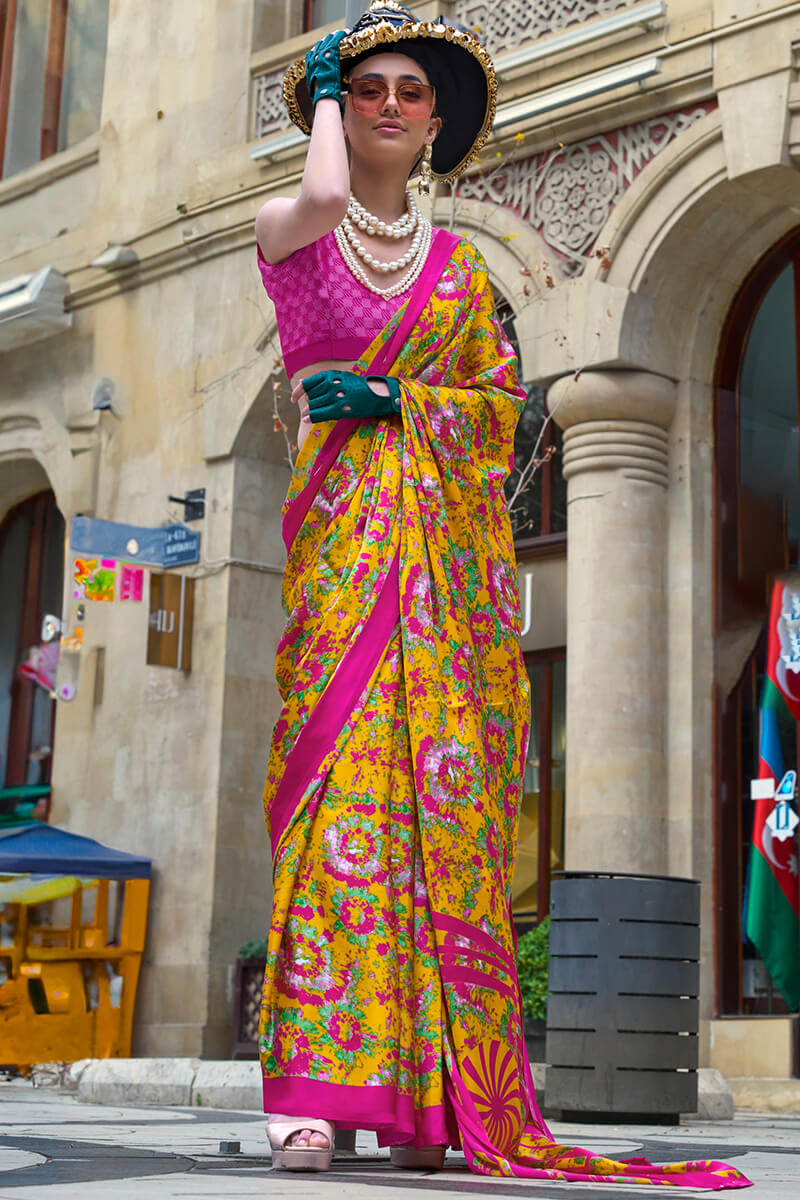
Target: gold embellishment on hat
[384, 33]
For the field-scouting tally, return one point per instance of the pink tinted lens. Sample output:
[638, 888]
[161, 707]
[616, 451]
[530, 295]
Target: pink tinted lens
[370, 95]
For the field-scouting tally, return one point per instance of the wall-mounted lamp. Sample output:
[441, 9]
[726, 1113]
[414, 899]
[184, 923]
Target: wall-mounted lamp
[115, 258]
[579, 89]
[275, 146]
[103, 395]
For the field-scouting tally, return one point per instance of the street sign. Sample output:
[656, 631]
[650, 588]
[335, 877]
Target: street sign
[182, 546]
[172, 546]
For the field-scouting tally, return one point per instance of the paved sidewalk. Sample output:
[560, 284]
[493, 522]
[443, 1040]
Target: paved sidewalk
[54, 1148]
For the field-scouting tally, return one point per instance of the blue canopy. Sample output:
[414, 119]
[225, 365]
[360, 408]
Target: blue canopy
[39, 849]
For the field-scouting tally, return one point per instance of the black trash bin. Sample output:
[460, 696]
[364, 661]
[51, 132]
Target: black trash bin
[622, 1010]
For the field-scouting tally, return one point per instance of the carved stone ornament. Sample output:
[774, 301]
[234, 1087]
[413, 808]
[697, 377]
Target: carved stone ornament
[567, 195]
[505, 24]
[269, 108]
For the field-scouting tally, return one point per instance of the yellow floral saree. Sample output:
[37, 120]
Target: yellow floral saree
[393, 789]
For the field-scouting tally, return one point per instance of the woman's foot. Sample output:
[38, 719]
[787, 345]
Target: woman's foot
[309, 1137]
[418, 1158]
[300, 1143]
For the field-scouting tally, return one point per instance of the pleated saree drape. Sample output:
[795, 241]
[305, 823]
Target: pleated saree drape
[394, 781]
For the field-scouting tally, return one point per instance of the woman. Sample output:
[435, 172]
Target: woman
[390, 999]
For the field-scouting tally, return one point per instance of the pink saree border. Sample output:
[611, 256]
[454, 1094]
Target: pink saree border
[442, 247]
[456, 975]
[318, 736]
[635, 1170]
[457, 928]
[382, 1109]
[439, 255]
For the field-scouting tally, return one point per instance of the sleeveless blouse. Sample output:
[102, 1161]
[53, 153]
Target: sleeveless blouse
[323, 311]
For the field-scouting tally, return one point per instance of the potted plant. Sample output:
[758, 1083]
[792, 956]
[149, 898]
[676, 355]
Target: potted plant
[247, 998]
[533, 950]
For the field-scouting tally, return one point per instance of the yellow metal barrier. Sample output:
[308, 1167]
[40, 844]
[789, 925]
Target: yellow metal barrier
[69, 991]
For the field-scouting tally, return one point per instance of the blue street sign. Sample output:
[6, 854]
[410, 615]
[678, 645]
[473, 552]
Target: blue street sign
[182, 546]
[172, 546]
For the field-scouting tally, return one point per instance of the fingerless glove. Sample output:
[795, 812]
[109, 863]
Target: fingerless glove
[335, 394]
[324, 69]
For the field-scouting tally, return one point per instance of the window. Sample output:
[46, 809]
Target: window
[52, 60]
[757, 537]
[31, 570]
[540, 848]
[323, 12]
[537, 494]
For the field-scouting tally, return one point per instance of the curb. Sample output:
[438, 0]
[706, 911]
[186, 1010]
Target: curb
[236, 1084]
[715, 1101]
[167, 1082]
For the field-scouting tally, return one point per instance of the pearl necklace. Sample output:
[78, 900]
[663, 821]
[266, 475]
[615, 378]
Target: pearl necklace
[347, 241]
[378, 264]
[370, 224]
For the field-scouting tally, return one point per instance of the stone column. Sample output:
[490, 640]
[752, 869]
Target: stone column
[616, 464]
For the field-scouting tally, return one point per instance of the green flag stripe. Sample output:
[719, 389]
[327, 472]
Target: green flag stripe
[773, 928]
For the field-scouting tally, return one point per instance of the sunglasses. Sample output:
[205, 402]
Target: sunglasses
[370, 96]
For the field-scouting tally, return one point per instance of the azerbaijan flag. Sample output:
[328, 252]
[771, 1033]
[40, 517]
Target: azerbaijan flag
[772, 915]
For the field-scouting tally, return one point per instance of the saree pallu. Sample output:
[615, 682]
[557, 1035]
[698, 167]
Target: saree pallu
[393, 789]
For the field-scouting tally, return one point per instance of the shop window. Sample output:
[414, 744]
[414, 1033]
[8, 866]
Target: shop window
[31, 570]
[323, 12]
[52, 60]
[541, 828]
[757, 517]
[536, 489]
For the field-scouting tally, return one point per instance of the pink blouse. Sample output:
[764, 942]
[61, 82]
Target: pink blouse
[323, 311]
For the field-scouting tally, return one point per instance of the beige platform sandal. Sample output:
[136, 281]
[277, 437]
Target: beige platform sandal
[418, 1158]
[299, 1158]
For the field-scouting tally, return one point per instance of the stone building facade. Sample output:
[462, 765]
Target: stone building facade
[637, 203]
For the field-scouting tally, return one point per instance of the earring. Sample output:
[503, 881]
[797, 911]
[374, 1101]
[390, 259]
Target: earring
[425, 172]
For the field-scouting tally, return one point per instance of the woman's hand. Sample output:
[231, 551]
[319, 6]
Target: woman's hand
[331, 395]
[324, 69]
[300, 398]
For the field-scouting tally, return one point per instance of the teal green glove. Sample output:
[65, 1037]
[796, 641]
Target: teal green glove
[335, 394]
[324, 69]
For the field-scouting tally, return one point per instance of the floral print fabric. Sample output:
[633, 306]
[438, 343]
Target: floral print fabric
[393, 788]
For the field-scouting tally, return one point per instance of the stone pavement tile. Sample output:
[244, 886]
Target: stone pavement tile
[124, 1153]
[15, 1160]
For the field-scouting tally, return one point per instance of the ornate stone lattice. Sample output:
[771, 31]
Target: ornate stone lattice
[271, 114]
[568, 194]
[504, 24]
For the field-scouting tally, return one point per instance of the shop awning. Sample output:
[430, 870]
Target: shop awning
[39, 849]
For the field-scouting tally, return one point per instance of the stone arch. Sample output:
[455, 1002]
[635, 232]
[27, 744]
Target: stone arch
[34, 454]
[237, 415]
[681, 240]
[21, 476]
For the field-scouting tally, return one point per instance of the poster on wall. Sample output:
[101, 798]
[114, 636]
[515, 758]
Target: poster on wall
[94, 579]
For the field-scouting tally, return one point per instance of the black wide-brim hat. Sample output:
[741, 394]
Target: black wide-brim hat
[457, 64]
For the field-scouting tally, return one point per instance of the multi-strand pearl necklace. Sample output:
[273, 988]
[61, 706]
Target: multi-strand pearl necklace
[402, 227]
[352, 250]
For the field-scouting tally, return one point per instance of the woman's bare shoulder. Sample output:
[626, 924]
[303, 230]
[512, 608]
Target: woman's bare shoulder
[285, 224]
[269, 220]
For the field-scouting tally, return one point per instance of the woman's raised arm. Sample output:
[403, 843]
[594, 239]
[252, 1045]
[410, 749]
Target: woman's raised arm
[285, 224]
